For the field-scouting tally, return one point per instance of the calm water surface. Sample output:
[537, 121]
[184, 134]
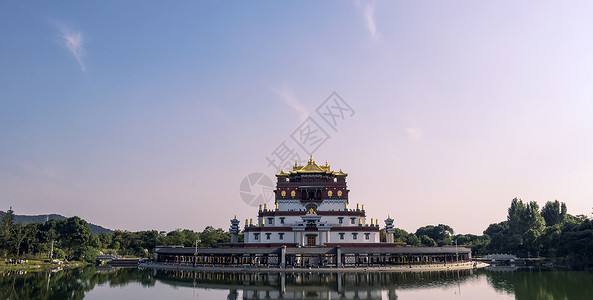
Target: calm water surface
[98, 283]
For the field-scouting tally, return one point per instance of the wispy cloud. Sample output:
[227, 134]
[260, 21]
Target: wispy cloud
[414, 131]
[368, 11]
[74, 41]
[287, 95]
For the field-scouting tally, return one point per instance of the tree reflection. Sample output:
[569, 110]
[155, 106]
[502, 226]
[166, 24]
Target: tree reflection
[543, 284]
[74, 284]
[66, 284]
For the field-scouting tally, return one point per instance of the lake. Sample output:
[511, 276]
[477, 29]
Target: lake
[131, 283]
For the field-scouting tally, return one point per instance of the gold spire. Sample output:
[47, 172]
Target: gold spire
[260, 207]
[363, 207]
[265, 207]
[250, 221]
[360, 221]
[246, 222]
[276, 205]
[372, 221]
[357, 206]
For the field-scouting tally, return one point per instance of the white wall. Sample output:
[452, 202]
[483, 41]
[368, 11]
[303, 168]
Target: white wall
[293, 237]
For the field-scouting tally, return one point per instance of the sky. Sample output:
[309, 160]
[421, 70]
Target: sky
[141, 115]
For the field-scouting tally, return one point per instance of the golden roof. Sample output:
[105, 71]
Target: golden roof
[311, 167]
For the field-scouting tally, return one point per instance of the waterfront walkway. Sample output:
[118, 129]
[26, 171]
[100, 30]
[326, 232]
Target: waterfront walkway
[398, 268]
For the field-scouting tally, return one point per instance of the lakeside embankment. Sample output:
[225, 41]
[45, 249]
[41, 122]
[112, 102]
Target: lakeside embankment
[245, 269]
[39, 265]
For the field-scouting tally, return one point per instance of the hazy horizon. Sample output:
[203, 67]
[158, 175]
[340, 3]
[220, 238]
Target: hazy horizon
[145, 115]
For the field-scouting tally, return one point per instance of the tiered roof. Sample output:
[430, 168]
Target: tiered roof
[311, 168]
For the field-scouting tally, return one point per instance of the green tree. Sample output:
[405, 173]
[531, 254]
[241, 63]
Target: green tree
[74, 233]
[95, 241]
[86, 253]
[499, 235]
[413, 240]
[427, 241]
[211, 237]
[18, 236]
[516, 215]
[5, 228]
[8, 218]
[31, 241]
[106, 239]
[554, 212]
[441, 233]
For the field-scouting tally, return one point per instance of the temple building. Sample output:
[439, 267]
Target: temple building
[311, 209]
[310, 224]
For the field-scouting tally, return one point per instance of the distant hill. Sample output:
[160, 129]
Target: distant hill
[42, 218]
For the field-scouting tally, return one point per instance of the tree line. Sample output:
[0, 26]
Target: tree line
[528, 231]
[550, 232]
[71, 238]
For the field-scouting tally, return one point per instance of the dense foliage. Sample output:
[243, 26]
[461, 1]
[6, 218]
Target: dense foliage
[527, 232]
[72, 239]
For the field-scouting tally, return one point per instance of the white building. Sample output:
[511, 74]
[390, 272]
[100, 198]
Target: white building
[311, 210]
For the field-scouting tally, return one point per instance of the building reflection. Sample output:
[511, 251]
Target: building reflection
[312, 285]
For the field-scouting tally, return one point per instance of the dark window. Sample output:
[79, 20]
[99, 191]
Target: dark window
[281, 236]
[341, 236]
[367, 236]
[268, 236]
[282, 220]
[341, 220]
[354, 236]
[256, 236]
[352, 220]
[270, 220]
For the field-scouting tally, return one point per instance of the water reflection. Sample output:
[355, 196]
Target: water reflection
[299, 285]
[495, 283]
[66, 284]
[543, 284]
[359, 285]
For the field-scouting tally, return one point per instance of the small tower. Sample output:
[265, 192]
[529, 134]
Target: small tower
[389, 229]
[234, 230]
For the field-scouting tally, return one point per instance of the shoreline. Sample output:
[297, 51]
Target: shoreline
[250, 269]
[41, 266]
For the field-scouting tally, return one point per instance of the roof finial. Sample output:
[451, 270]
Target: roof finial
[311, 159]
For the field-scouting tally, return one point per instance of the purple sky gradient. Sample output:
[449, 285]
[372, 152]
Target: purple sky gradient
[140, 115]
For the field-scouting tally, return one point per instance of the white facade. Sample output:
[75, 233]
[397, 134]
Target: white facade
[311, 210]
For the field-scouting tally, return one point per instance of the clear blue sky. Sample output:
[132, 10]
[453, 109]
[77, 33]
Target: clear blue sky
[148, 115]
